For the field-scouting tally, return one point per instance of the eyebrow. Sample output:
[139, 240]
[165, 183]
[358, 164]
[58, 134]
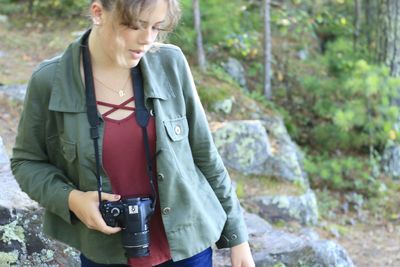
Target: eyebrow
[146, 22]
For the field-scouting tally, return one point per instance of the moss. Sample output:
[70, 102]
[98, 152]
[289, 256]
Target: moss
[259, 185]
[12, 231]
[8, 258]
[341, 229]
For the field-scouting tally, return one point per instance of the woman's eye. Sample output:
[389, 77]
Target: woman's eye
[158, 28]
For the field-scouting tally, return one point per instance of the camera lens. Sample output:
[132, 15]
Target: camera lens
[136, 244]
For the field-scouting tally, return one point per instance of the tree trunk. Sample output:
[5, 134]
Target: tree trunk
[267, 50]
[368, 21]
[389, 35]
[357, 23]
[201, 58]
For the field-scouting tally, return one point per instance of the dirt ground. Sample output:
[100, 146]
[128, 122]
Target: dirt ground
[369, 244]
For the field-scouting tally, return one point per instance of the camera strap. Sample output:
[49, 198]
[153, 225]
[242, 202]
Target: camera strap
[141, 113]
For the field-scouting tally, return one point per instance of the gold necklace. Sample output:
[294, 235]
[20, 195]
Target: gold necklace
[120, 92]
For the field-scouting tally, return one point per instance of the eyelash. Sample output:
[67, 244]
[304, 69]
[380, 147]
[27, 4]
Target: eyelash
[137, 28]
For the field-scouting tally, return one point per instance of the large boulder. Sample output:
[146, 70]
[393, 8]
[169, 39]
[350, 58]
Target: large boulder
[285, 208]
[22, 242]
[391, 160]
[271, 247]
[260, 147]
[11, 195]
[243, 145]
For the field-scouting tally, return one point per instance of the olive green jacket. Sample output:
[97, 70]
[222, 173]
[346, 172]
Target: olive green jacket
[54, 154]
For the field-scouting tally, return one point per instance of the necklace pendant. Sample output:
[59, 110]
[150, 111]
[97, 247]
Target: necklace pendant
[121, 93]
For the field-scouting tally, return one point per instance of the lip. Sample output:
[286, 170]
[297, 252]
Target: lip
[136, 54]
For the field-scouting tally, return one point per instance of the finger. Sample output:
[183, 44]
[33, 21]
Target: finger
[110, 197]
[102, 226]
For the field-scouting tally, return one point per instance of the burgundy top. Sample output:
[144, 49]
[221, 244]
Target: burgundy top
[124, 161]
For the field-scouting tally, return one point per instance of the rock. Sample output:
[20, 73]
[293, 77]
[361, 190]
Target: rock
[6, 215]
[13, 92]
[303, 54]
[391, 160]
[271, 247]
[236, 70]
[243, 145]
[11, 196]
[23, 244]
[302, 208]
[260, 147]
[3, 19]
[224, 106]
[287, 160]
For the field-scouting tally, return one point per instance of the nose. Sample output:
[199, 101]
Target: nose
[146, 36]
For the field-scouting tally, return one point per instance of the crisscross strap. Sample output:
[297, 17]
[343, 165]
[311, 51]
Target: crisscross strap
[115, 107]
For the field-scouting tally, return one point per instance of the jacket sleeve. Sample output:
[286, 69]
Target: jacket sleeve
[42, 181]
[208, 160]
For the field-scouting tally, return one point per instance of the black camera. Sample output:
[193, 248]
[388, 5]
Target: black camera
[133, 216]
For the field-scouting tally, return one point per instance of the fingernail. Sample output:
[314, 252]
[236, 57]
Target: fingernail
[117, 196]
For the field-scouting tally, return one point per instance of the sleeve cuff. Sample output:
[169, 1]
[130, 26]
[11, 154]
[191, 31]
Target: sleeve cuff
[231, 239]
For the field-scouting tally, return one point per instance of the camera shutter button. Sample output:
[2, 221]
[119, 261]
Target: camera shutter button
[166, 210]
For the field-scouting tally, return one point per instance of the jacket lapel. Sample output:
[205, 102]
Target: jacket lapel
[68, 93]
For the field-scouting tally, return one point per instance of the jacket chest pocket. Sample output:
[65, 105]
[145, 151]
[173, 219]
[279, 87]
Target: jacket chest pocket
[178, 143]
[68, 149]
[177, 129]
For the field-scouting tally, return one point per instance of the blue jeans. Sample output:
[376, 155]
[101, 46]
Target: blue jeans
[202, 259]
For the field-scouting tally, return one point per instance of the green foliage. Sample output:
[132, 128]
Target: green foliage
[8, 7]
[245, 46]
[340, 57]
[368, 110]
[343, 174]
[46, 8]
[216, 26]
[343, 102]
[63, 8]
[217, 87]
[328, 203]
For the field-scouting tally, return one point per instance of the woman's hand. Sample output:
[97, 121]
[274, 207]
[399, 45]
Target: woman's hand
[241, 256]
[85, 205]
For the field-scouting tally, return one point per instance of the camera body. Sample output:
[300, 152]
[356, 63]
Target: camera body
[133, 216]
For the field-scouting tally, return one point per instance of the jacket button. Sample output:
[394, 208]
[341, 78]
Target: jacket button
[178, 130]
[233, 237]
[65, 188]
[160, 176]
[166, 210]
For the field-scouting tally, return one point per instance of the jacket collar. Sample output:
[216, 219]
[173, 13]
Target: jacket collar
[68, 93]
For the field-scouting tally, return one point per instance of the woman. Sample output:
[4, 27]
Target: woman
[54, 159]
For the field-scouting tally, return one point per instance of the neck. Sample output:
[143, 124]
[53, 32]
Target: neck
[100, 59]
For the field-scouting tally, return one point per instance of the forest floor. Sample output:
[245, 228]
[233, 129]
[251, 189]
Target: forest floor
[370, 242]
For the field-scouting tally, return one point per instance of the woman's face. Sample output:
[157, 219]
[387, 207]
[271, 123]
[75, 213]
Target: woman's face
[125, 46]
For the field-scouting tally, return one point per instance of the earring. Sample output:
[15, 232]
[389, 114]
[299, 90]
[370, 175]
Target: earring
[96, 21]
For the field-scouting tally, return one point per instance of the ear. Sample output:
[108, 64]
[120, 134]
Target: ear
[96, 11]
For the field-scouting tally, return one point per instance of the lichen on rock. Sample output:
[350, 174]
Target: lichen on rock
[8, 258]
[12, 231]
